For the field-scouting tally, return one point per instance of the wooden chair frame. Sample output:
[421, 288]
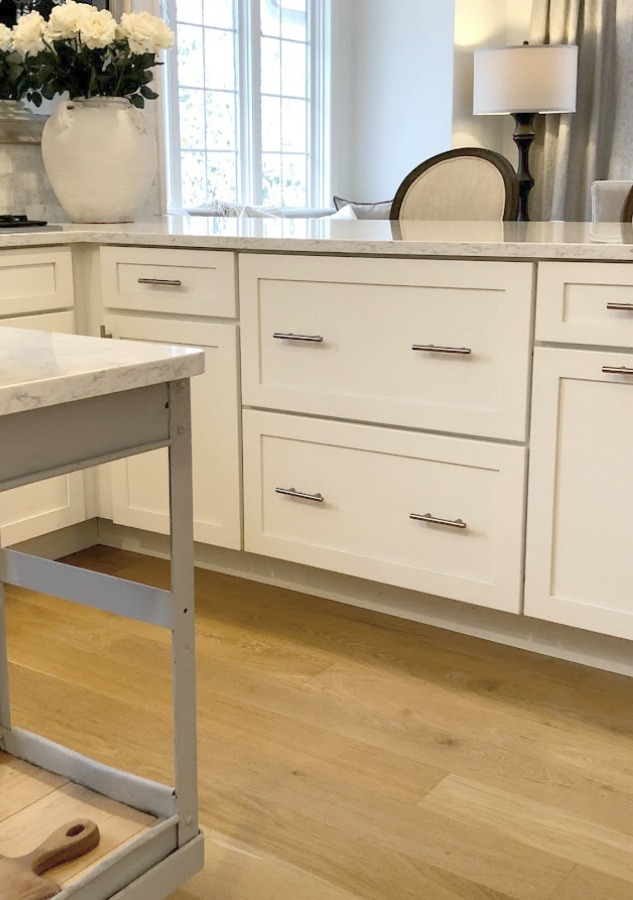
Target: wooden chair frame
[626, 216]
[503, 165]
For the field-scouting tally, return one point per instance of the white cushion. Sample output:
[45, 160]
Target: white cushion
[380, 210]
[345, 212]
[607, 200]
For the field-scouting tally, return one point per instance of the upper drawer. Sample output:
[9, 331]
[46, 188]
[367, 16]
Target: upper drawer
[32, 280]
[168, 280]
[585, 303]
[432, 344]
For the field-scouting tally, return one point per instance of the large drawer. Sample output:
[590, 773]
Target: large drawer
[361, 485]
[346, 338]
[169, 280]
[585, 303]
[34, 280]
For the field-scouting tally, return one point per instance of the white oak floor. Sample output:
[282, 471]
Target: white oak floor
[345, 754]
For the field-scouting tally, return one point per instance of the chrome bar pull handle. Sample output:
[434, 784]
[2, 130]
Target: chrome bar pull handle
[164, 282]
[291, 492]
[289, 336]
[617, 370]
[435, 520]
[624, 307]
[453, 351]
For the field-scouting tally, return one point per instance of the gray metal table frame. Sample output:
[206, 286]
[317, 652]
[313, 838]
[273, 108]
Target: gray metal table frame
[37, 444]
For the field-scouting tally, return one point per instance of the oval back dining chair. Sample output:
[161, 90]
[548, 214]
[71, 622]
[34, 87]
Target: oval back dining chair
[470, 184]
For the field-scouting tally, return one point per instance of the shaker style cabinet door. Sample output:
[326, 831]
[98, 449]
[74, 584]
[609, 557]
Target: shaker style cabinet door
[431, 513]
[140, 492]
[437, 345]
[44, 506]
[34, 280]
[579, 565]
[585, 303]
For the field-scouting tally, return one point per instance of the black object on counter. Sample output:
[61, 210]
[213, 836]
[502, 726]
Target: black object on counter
[19, 222]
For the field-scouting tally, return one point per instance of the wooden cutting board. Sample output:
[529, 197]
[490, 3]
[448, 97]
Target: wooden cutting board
[21, 876]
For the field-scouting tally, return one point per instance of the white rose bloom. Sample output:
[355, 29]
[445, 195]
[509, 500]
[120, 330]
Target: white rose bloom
[6, 39]
[98, 29]
[28, 34]
[146, 33]
[65, 20]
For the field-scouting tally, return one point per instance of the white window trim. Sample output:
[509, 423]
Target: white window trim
[319, 187]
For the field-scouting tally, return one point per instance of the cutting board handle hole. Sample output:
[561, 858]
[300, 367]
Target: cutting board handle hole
[75, 830]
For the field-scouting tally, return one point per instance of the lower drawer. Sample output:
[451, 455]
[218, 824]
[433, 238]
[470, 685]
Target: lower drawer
[435, 514]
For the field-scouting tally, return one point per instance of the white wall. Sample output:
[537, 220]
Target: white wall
[484, 23]
[478, 23]
[392, 84]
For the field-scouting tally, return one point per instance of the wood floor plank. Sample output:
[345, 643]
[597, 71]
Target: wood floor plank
[587, 884]
[539, 825]
[123, 735]
[487, 738]
[66, 624]
[234, 871]
[331, 740]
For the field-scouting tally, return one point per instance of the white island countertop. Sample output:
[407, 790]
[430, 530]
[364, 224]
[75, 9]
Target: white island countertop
[493, 240]
[39, 369]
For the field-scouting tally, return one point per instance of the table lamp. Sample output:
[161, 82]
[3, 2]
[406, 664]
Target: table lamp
[523, 81]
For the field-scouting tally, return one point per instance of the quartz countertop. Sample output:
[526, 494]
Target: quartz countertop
[39, 369]
[492, 240]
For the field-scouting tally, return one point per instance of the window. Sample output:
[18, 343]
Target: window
[246, 102]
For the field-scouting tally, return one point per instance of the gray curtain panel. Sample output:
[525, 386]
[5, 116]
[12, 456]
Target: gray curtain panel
[595, 142]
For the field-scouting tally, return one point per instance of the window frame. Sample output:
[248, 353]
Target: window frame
[249, 190]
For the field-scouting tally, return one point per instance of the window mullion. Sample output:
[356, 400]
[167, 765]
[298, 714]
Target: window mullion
[171, 110]
[320, 105]
[248, 101]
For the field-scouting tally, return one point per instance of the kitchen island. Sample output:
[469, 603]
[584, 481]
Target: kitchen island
[426, 419]
[66, 403]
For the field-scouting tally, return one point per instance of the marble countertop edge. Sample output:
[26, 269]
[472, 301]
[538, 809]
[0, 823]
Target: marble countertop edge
[489, 240]
[39, 369]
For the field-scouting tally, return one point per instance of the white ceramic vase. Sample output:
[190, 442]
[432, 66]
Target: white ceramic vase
[100, 157]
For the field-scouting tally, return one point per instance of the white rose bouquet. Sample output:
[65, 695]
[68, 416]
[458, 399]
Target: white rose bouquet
[86, 53]
[17, 80]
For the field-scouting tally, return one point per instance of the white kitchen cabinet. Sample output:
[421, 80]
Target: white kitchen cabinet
[43, 506]
[169, 280]
[34, 280]
[434, 345]
[140, 496]
[427, 512]
[585, 303]
[579, 565]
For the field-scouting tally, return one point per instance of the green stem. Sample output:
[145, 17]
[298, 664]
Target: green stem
[121, 72]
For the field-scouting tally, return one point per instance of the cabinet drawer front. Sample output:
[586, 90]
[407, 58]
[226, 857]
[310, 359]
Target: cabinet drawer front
[336, 337]
[579, 567]
[585, 303]
[340, 496]
[193, 282]
[31, 281]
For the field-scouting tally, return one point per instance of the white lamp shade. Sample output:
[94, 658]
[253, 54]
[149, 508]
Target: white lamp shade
[530, 78]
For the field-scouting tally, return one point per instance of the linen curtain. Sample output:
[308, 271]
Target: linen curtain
[595, 142]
